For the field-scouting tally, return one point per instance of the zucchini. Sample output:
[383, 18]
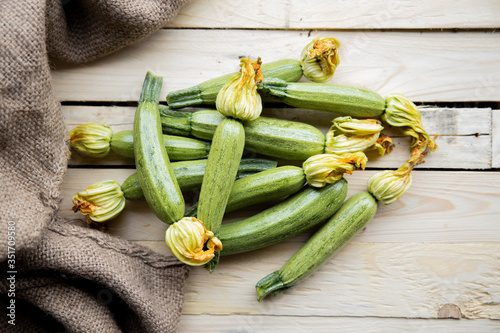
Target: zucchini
[189, 175]
[349, 101]
[156, 176]
[268, 136]
[351, 218]
[222, 166]
[206, 92]
[178, 148]
[262, 187]
[302, 211]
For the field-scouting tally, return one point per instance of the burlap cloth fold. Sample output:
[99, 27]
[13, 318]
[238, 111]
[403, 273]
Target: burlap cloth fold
[69, 278]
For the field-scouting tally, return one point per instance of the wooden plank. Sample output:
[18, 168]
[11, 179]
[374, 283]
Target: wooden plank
[495, 139]
[425, 66]
[439, 207]
[464, 141]
[301, 324]
[326, 14]
[400, 280]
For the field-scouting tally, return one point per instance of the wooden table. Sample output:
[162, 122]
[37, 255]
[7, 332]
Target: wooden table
[433, 254]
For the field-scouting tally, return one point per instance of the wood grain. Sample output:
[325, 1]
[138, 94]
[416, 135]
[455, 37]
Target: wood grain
[439, 207]
[425, 66]
[411, 280]
[326, 14]
[304, 324]
[464, 142]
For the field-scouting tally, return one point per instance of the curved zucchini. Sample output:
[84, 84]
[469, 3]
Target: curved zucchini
[349, 101]
[189, 175]
[300, 212]
[268, 136]
[351, 218]
[206, 92]
[262, 187]
[156, 175]
[178, 148]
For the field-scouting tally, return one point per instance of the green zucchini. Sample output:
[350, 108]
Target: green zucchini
[178, 148]
[262, 187]
[349, 101]
[156, 176]
[351, 218]
[206, 92]
[268, 136]
[189, 175]
[302, 211]
[222, 166]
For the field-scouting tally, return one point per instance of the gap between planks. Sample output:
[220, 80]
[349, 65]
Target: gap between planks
[465, 134]
[195, 323]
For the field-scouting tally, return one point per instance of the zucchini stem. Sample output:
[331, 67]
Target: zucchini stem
[151, 88]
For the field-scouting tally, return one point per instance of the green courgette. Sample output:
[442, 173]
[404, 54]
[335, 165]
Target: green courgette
[206, 93]
[155, 172]
[300, 212]
[189, 175]
[351, 218]
[261, 187]
[349, 101]
[268, 136]
[178, 148]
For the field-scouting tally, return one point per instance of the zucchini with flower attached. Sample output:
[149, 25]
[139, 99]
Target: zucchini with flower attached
[97, 140]
[384, 187]
[206, 93]
[283, 138]
[104, 200]
[188, 238]
[161, 190]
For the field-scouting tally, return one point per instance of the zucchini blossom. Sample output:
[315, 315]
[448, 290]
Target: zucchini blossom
[191, 243]
[328, 168]
[348, 135]
[238, 98]
[320, 58]
[403, 113]
[91, 139]
[388, 186]
[100, 202]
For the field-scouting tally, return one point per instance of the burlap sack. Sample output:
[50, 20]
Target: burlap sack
[64, 270]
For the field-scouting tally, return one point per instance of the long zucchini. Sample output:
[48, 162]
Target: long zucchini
[262, 187]
[189, 175]
[268, 136]
[156, 175]
[206, 92]
[349, 101]
[302, 211]
[178, 148]
[351, 218]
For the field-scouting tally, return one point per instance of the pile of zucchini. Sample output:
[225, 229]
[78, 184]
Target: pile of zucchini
[208, 146]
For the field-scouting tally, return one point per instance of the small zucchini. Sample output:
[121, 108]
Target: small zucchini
[156, 176]
[302, 211]
[189, 175]
[268, 136]
[178, 148]
[206, 92]
[349, 101]
[261, 187]
[351, 218]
